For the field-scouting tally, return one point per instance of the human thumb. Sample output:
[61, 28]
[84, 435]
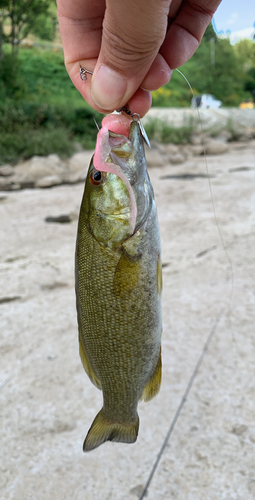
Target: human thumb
[133, 31]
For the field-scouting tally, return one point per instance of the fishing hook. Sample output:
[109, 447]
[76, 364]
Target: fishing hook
[83, 73]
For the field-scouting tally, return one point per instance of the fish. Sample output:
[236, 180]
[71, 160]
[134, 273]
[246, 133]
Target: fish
[118, 282]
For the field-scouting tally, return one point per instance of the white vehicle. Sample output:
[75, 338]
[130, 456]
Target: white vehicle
[205, 101]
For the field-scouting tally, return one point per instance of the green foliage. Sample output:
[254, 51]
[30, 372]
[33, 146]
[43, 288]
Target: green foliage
[41, 112]
[24, 143]
[36, 75]
[250, 80]
[8, 75]
[12, 83]
[245, 52]
[174, 94]
[36, 115]
[44, 26]
[33, 128]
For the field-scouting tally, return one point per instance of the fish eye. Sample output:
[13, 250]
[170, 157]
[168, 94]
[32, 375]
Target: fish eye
[96, 177]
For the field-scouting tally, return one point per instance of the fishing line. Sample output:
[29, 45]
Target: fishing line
[184, 398]
[228, 314]
[212, 200]
[214, 327]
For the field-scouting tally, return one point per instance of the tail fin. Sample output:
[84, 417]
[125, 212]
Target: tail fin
[102, 430]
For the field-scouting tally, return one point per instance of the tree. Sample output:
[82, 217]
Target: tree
[23, 15]
[3, 5]
[249, 85]
[245, 51]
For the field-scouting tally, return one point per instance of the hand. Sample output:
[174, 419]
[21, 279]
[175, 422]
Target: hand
[131, 46]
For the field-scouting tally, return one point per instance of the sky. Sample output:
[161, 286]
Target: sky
[236, 17]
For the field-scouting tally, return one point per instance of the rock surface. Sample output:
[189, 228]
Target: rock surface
[79, 162]
[42, 172]
[176, 159]
[48, 402]
[48, 181]
[6, 170]
[38, 167]
[213, 147]
[155, 158]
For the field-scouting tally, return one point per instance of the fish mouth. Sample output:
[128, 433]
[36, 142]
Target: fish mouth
[117, 154]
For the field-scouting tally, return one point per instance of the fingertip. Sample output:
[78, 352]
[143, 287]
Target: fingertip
[108, 87]
[140, 102]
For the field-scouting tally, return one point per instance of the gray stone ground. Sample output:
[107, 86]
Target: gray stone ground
[48, 402]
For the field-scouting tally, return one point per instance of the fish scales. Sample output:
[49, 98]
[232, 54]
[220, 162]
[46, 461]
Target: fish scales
[118, 289]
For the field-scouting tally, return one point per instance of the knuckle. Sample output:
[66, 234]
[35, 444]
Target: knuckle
[125, 49]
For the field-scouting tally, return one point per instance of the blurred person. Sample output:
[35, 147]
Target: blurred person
[131, 46]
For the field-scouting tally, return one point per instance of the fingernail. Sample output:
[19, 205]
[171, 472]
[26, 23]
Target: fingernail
[108, 88]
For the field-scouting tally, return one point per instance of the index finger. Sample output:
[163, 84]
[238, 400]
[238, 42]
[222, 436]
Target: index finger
[80, 24]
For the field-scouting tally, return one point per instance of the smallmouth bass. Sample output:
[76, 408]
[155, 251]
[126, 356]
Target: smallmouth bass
[118, 282]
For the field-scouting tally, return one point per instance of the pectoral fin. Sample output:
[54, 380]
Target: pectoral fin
[87, 366]
[127, 274]
[153, 386]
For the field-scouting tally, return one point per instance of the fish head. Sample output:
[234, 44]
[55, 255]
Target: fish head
[108, 207]
[118, 192]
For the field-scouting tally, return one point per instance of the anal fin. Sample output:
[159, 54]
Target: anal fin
[87, 366]
[153, 386]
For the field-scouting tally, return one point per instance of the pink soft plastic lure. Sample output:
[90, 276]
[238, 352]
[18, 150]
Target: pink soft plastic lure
[119, 125]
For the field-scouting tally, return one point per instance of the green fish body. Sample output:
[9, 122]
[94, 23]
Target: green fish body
[118, 288]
